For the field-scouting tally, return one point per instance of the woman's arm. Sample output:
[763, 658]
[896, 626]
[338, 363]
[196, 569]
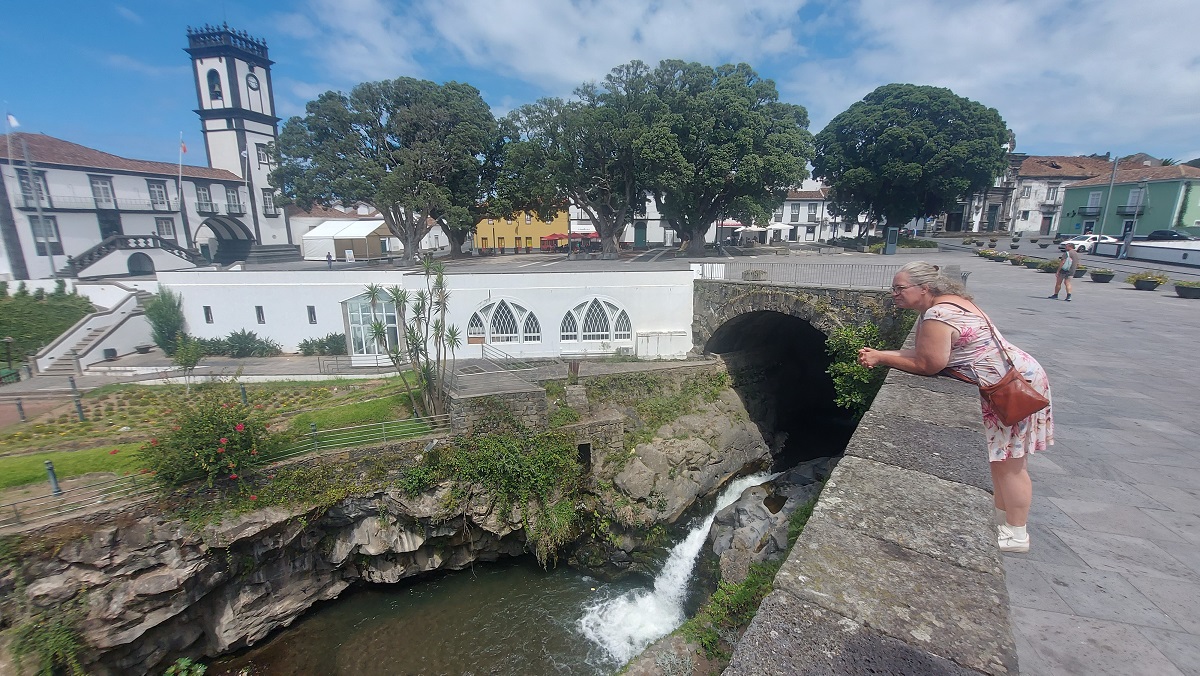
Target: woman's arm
[931, 354]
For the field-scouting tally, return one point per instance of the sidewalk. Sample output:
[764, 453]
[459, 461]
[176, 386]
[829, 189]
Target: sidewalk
[1111, 584]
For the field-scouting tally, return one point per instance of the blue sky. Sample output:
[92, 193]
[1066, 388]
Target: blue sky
[1068, 76]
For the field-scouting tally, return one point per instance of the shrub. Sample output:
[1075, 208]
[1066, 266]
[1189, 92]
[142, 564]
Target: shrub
[334, 343]
[165, 314]
[1102, 271]
[34, 323]
[243, 343]
[1147, 276]
[1188, 285]
[213, 437]
[855, 385]
[1048, 266]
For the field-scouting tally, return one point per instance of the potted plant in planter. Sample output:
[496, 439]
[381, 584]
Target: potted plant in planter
[1016, 259]
[1043, 245]
[1048, 266]
[1101, 275]
[979, 243]
[1187, 289]
[1033, 240]
[1080, 271]
[1033, 263]
[1146, 280]
[999, 257]
[968, 240]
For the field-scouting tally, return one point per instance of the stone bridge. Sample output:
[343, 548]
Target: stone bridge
[728, 313]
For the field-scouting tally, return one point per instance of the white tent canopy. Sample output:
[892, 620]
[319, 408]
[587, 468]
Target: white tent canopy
[779, 226]
[364, 237]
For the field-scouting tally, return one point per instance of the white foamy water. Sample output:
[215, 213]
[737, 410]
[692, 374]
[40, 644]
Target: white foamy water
[624, 625]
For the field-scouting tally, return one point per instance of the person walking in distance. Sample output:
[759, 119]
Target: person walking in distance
[329, 259]
[1067, 266]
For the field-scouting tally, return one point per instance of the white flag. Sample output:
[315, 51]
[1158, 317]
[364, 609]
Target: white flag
[12, 121]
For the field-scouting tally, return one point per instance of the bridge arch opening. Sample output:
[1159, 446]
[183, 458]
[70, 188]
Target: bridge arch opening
[778, 365]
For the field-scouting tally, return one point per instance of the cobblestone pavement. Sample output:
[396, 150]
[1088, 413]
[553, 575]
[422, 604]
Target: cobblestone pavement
[1111, 584]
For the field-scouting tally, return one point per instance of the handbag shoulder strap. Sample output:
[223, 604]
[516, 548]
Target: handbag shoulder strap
[999, 340]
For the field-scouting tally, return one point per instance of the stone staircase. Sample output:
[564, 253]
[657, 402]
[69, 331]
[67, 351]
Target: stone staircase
[142, 298]
[65, 365]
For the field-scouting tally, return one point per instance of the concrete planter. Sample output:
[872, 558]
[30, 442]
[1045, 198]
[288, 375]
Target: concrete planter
[1102, 277]
[1032, 265]
[1145, 285]
[1187, 291]
[1080, 272]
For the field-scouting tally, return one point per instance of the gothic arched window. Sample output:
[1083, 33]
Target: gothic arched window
[601, 321]
[533, 329]
[503, 322]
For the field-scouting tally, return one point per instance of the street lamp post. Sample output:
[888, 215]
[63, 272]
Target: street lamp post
[8, 341]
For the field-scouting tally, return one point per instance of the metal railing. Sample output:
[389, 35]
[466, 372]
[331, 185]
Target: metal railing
[841, 275]
[80, 202]
[30, 511]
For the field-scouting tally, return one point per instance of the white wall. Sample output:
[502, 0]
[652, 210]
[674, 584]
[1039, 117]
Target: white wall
[1179, 253]
[659, 303]
[117, 263]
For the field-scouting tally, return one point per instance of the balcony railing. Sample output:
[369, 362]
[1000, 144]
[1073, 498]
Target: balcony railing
[1130, 209]
[1049, 205]
[235, 209]
[78, 203]
[1089, 211]
[206, 207]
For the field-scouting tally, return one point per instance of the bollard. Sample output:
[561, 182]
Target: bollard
[79, 410]
[53, 479]
[243, 387]
[21, 411]
[28, 372]
[313, 427]
[74, 389]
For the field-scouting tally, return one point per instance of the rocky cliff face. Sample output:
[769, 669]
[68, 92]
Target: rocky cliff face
[157, 589]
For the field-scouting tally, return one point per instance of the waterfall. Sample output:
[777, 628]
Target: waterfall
[624, 625]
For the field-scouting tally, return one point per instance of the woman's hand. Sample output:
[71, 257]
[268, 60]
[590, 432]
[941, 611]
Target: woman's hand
[869, 357]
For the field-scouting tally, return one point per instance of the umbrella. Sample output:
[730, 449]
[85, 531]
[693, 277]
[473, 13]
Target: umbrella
[585, 235]
[555, 236]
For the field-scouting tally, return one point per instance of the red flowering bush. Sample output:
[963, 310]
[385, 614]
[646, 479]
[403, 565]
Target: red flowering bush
[211, 437]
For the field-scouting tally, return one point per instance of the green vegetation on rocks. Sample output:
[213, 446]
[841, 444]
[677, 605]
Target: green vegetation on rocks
[654, 399]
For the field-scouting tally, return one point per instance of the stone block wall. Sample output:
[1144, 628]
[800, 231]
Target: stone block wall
[897, 570]
[479, 415]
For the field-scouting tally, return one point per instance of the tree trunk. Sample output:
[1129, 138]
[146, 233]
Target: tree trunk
[695, 246]
[611, 250]
[457, 238]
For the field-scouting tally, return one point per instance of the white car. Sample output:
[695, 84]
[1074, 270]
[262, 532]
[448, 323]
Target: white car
[1088, 242]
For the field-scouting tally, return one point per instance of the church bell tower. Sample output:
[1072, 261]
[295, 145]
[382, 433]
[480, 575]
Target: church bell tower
[237, 116]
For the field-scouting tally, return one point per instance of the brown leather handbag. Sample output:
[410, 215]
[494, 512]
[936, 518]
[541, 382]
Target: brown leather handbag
[1011, 398]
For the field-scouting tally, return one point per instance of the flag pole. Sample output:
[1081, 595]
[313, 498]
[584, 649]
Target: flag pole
[179, 182]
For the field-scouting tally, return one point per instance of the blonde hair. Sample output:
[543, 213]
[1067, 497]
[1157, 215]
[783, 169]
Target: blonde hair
[930, 276]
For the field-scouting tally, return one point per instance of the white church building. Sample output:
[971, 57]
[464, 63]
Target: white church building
[74, 211]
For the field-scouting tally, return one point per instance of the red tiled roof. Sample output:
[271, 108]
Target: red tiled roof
[1174, 172]
[1066, 166]
[47, 150]
[821, 194]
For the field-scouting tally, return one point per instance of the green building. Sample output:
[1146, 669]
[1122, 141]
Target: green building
[1143, 200]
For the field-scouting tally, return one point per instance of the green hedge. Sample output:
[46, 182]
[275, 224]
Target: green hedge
[35, 320]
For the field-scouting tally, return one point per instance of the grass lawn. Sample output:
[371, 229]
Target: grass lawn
[380, 410]
[19, 470]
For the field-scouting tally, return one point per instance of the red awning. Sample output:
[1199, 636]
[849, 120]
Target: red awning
[554, 236]
[585, 235]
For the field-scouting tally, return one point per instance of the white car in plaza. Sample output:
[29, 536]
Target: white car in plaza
[1088, 242]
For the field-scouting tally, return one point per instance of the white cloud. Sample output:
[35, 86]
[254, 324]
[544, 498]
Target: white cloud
[1085, 77]
[128, 14]
[359, 39]
[125, 62]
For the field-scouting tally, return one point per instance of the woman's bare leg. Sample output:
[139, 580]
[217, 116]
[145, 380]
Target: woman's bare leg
[1013, 489]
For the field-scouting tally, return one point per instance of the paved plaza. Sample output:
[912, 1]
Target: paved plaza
[1112, 582]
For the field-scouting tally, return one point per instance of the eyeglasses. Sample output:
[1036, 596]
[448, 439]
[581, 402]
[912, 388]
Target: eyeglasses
[897, 289]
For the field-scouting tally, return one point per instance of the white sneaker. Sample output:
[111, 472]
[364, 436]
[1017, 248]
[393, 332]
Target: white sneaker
[1008, 541]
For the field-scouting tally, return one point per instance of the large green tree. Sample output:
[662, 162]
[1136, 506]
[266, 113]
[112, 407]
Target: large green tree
[417, 151]
[907, 150]
[587, 151]
[733, 149]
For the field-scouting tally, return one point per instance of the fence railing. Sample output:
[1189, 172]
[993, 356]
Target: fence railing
[33, 510]
[847, 275]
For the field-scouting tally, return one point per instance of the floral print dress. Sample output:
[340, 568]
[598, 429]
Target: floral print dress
[976, 354]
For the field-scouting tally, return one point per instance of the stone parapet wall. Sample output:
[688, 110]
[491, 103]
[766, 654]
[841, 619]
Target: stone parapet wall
[483, 414]
[897, 570]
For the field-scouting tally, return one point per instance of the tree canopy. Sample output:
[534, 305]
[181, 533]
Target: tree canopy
[907, 150]
[730, 148]
[417, 151]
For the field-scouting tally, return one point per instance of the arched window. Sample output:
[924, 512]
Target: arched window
[504, 325]
[214, 85]
[601, 321]
[569, 330]
[533, 329]
[622, 329]
[475, 332]
[595, 323]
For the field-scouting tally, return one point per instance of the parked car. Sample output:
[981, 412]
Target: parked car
[1167, 235]
[1088, 242]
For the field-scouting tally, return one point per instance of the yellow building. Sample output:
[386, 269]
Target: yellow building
[521, 234]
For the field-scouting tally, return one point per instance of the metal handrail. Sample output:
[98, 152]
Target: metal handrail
[848, 275]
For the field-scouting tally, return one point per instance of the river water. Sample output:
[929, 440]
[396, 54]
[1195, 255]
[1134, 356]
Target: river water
[510, 617]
